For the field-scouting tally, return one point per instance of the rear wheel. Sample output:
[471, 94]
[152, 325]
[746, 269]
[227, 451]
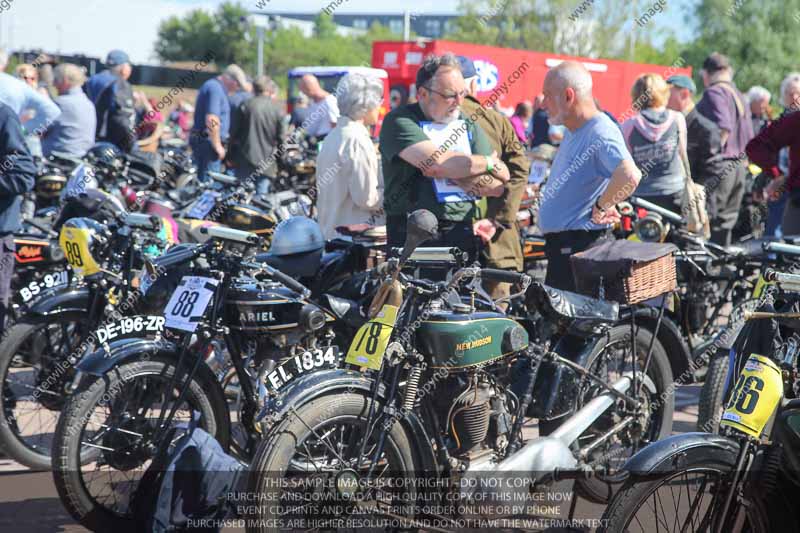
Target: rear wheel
[609, 360]
[104, 441]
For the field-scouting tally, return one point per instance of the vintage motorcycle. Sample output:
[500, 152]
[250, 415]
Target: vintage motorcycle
[430, 393]
[746, 477]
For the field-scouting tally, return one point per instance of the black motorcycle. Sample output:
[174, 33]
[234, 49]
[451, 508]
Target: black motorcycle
[746, 477]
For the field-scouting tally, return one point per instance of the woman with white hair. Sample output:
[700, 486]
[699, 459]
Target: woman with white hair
[349, 179]
[760, 113]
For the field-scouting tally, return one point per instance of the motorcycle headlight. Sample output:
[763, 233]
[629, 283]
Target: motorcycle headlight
[650, 228]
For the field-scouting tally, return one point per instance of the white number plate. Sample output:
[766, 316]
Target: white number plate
[48, 281]
[188, 303]
[538, 171]
[130, 326]
[302, 364]
[203, 205]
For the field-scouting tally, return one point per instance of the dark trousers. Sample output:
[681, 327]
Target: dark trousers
[724, 200]
[559, 246]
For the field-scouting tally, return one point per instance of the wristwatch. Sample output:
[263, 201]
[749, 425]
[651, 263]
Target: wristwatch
[598, 206]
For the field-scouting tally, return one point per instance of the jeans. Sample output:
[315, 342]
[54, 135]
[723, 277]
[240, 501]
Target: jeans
[262, 182]
[560, 246]
[774, 216]
[205, 157]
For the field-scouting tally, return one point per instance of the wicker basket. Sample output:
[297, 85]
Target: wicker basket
[624, 271]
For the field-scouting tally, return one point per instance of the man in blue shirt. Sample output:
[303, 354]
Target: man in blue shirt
[17, 174]
[591, 173]
[19, 96]
[212, 119]
[73, 131]
[112, 97]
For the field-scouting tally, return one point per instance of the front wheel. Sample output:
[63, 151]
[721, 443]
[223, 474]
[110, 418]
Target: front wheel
[315, 457]
[689, 499]
[712, 402]
[104, 440]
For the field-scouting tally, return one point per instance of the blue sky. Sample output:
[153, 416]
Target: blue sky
[93, 27]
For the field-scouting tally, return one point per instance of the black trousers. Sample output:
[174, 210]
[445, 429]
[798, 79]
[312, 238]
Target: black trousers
[559, 246]
[7, 261]
[724, 200]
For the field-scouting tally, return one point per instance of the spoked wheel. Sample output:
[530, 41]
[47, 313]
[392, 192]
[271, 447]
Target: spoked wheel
[626, 430]
[105, 438]
[687, 500]
[312, 464]
[35, 368]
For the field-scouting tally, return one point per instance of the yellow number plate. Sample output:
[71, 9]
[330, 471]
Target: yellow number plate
[755, 396]
[75, 245]
[372, 338]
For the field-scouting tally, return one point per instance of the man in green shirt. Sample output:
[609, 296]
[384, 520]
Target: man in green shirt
[411, 160]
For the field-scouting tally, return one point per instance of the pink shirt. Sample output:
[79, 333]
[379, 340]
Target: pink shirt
[519, 128]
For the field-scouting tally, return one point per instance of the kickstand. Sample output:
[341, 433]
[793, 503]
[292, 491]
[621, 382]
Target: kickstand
[572, 506]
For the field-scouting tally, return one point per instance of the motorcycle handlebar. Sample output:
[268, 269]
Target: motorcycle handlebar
[505, 276]
[666, 213]
[781, 248]
[288, 281]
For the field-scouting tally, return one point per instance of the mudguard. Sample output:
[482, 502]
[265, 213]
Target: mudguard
[59, 301]
[670, 337]
[119, 352]
[669, 455]
[338, 380]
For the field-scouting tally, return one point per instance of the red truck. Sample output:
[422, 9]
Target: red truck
[509, 76]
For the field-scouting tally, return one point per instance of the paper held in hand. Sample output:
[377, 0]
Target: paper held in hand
[452, 136]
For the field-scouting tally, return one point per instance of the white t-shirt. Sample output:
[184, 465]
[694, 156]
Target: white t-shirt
[320, 116]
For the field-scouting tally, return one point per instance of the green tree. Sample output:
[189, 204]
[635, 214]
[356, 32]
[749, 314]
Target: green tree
[760, 38]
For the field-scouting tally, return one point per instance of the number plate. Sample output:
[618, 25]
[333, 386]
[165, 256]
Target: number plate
[75, 244]
[538, 171]
[203, 206]
[188, 303]
[372, 338]
[755, 396]
[302, 364]
[130, 326]
[48, 281]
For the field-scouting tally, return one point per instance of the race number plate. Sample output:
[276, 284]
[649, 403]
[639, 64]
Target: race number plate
[129, 326]
[372, 338]
[203, 206]
[75, 244]
[48, 281]
[755, 396]
[538, 171]
[302, 364]
[188, 303]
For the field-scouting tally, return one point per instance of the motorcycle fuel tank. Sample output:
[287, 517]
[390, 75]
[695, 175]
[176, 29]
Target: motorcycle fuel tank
[464, 340]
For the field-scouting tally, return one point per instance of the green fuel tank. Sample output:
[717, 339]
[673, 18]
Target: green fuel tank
[461, 341]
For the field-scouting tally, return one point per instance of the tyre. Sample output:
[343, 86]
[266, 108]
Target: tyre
[609, 359]
[103, 442]
[35, 368]
[315, 445]
[677, 501]
[712, 402]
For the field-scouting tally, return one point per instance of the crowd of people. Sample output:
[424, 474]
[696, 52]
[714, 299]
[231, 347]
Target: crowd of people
[475, 185]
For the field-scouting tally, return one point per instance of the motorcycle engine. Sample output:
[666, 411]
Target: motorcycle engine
[477, 411]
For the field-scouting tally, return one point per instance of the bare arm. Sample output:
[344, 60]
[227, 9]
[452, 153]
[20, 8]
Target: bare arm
[213, 125]
[623, 182]
[435, 163]
[723, 137]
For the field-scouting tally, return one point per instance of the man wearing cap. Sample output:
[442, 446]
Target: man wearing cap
[724, 105]
[112, 97]
[432, 139]
[498, 230]
[212, 120]
[703, 145]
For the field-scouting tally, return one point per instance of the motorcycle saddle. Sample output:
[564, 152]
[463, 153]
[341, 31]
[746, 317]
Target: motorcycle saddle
[560, 304]
[344, 309]
[302, 265]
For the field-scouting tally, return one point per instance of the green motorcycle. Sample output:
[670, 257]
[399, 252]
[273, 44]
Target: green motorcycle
[424, 408]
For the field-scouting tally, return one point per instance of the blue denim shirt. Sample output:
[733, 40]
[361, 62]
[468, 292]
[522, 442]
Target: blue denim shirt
[19, 96]
[72, 132]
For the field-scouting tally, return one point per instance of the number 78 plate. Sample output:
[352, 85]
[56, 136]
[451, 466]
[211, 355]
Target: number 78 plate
[372, 338]
[188, 303]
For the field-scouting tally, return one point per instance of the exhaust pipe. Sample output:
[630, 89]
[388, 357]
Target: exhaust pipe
[492, 486]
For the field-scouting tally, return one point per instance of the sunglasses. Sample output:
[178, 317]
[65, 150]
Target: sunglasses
[448, 97]
[29, 78]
